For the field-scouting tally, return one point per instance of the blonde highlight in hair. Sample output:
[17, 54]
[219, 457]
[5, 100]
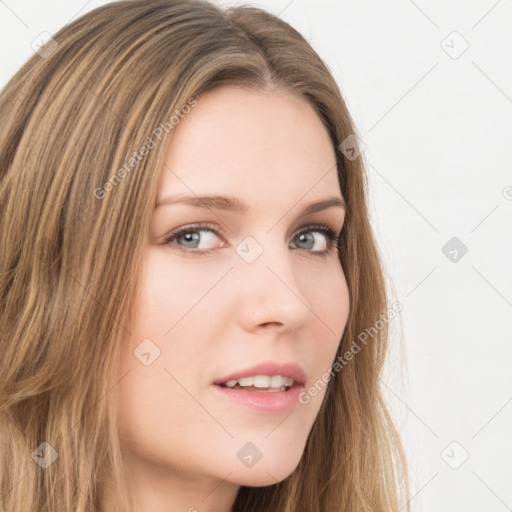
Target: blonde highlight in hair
[70, 261]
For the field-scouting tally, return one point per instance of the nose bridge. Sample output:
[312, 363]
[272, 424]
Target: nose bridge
[269, 288]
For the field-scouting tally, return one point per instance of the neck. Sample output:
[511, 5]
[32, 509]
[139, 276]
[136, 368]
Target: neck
[172, 492]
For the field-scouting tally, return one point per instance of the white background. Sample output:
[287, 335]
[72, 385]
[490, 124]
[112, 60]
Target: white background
[437, 128]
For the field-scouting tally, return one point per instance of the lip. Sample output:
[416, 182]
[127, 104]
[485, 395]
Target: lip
[270, 402]
[291, 370]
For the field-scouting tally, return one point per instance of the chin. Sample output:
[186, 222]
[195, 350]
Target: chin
[265, 473]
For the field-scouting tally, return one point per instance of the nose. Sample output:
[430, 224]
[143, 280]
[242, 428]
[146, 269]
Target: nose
[269, 290]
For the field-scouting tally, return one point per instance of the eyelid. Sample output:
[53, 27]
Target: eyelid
[197, 226]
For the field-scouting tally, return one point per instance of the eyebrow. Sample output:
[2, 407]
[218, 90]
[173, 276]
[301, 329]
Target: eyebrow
[233, 204]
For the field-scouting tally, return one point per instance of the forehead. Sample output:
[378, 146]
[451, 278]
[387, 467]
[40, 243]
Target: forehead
[238, 139]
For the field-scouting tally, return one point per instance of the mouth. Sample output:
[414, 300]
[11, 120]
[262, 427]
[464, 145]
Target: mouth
[260, 383]
[266, 377]
[268, 388]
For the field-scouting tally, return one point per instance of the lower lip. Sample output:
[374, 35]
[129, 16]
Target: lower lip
[272, 402]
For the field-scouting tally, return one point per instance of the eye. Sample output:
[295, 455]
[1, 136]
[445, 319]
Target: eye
[328, 241]
[189, 238]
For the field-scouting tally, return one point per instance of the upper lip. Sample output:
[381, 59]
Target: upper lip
[291, 370]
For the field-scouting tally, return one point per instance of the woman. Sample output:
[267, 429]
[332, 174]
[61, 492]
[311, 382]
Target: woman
[187, 263]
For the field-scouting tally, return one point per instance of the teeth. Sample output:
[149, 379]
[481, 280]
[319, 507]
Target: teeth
[276, 381]
[262, 381]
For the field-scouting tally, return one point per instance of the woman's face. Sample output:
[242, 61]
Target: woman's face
[264, 293]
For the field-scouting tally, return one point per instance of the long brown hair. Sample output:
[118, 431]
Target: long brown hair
[83, 126]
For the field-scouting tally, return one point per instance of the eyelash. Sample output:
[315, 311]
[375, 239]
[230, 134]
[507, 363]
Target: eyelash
[332, 238]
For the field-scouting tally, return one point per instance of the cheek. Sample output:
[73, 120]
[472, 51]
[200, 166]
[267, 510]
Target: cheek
[172, 288]
[330, 307]
[166, 334]
[329, 301]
